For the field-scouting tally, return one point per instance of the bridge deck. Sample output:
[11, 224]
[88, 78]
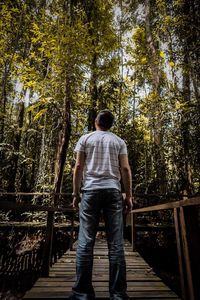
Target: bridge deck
[141, 280]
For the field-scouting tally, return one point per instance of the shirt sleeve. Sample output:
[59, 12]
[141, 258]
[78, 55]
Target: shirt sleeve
[80, 146]
[123, 149]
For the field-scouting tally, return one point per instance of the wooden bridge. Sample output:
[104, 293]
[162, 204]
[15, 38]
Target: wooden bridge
[141, 280]
[56, 282]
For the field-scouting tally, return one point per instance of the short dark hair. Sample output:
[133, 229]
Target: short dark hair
[105, 119]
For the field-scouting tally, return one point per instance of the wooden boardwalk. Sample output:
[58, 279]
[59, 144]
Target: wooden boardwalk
[141, 280]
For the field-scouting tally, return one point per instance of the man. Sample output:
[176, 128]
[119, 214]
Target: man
[101, 161]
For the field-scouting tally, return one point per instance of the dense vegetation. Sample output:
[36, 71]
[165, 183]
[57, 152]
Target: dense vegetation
[62, 61]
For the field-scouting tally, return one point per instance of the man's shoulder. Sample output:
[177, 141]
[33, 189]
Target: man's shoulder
[86, 135]
[80, 146]
[120, 140]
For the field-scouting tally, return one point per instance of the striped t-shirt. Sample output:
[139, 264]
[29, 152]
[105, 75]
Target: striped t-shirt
[102, 150]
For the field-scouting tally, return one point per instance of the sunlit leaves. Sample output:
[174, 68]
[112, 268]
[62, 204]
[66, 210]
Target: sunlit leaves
[162, 54]
[171, 64]
[143, 60]
[39, 114]
[39, 47]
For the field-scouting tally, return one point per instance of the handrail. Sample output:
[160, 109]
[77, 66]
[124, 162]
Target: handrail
[187, 239]
[32, 193]
[68, 193]
[6, 205]
[169, 205]
[183, 210]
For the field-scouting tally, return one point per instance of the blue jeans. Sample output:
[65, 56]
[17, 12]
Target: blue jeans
[93, 202]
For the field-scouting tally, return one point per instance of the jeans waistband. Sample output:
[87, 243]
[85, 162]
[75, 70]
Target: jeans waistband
[102, 190]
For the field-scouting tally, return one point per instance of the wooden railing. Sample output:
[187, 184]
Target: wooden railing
[25, 207]
[187, 229]
[185, 224]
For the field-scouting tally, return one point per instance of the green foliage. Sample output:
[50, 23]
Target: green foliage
[105, 52]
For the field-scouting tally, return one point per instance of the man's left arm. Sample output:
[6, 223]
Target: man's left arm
[77, 177]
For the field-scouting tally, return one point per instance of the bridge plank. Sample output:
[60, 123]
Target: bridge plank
[141, 280]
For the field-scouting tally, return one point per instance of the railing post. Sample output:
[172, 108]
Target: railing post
[72, 232]
[186, 255]
[188, 247]
[133, 232]
[48, 245]
[180, 253]
[191, 236]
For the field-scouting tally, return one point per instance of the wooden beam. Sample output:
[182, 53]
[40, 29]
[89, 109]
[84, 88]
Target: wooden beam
[186, 255]
[133, 232]
[71, 233]
[170, 205]
[6, 205]
[32, 194]
[48, 245]
[180, 254]
[193, 238]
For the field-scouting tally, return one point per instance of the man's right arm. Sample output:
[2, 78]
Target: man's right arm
[127, 180]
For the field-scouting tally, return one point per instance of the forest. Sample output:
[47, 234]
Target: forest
[61, 61]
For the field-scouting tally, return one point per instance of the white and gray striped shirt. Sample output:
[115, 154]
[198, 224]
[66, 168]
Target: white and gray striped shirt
[102, 150]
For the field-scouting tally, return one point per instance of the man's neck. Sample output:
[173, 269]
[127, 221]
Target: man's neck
[101, 129]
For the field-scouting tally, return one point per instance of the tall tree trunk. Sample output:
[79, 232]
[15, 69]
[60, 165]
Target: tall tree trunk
[187, 185]
[64, 138]
[8, 66]
[195, 73]
[159, 161]
[17, 140]
[94, 95]
[194, 23]
[3, 104]
[90, 9]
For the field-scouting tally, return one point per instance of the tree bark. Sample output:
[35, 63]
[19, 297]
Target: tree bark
[94, 96]
[187, 185]
[90, 8]
[3, 104]
[8, 66]
[17, 141]
[64, 138]
[159, 161]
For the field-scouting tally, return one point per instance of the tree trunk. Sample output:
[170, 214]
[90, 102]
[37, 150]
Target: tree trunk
[17, 140]
[64, 138]
[187, 185]
[3, 104]
[90, 10]
[94, 96]
[8, 66]
[159, 161]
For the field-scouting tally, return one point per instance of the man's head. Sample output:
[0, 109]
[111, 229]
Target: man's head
[104, 119]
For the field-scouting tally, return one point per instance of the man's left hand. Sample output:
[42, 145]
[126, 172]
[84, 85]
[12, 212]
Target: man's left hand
[128, 203]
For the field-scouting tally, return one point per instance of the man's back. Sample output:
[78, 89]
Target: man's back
[102, 150]
[100, 160]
